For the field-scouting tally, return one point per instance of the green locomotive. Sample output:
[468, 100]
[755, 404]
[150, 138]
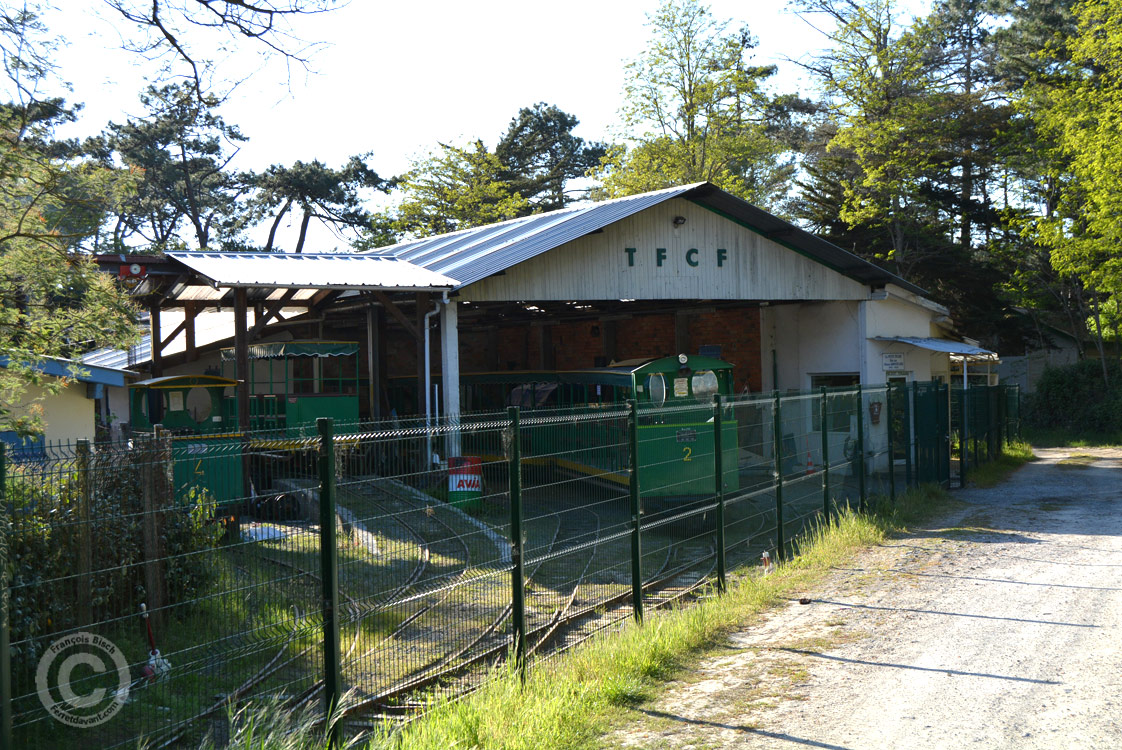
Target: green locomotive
[675, 424]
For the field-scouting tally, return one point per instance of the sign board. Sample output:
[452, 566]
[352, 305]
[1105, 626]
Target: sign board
[891, 361]
[681, 387]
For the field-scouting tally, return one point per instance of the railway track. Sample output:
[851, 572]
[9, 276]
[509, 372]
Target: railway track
[566, 603]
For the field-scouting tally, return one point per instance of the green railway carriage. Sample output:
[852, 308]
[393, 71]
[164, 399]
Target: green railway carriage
[290, 384]
[675, 429]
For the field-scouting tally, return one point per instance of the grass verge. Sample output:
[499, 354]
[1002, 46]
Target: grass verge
[572, 701]
[1013, 456]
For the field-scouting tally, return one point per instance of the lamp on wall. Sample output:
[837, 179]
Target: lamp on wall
[679, 221]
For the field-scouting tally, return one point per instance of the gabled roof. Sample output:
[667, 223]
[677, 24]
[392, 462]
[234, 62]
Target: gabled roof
[473, 254]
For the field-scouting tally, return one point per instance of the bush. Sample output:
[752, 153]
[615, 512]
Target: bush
[1074, 397]
[53, 591]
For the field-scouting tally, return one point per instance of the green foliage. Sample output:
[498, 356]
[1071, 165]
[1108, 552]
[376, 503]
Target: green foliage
[455, 188]
[181, 147]
[332, 196]
[695, 110]
[1075, 101]
[1076, 398]
[46, 546]
[53, 198]
[541, 155]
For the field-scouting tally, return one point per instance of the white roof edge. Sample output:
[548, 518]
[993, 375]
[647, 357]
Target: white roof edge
[905, 296]
[947, 346]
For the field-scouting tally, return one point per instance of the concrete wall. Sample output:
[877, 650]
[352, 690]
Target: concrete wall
[810, 338]
[895, 317]
[68, 415]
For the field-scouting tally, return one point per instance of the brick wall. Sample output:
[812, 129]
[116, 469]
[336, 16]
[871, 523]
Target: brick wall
[576, 345]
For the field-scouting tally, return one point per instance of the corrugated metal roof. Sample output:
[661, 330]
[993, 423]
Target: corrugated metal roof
[943, 345]
[474, 254]
[84, 372]
[312, 271]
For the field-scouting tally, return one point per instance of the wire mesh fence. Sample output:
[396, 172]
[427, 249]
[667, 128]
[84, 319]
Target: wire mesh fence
[152, 585]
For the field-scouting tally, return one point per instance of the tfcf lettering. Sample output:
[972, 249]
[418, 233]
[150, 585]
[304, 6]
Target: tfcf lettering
[693, 256]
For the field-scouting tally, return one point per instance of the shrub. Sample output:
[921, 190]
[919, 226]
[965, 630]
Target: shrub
[1074, 397]
[53, 590]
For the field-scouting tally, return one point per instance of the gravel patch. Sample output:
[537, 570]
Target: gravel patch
[997, 627]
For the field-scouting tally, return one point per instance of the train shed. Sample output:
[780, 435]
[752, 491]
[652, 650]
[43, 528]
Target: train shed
[690, 269]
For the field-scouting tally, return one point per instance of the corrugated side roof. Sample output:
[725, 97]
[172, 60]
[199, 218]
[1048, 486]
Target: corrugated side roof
[312, 271]
[946, 346]
[474, 254]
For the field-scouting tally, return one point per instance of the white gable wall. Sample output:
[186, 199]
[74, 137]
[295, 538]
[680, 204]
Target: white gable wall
[809, 338]
[690, 265]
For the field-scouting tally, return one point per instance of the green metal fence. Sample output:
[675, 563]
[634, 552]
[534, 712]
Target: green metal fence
[152, 585]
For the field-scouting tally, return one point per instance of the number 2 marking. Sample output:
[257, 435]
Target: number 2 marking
[689, 452]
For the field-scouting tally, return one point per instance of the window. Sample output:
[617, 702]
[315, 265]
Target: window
[656, 386]
[839, 407]
[704, 384]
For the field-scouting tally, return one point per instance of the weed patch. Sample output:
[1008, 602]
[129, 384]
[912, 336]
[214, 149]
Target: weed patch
[1013, 456]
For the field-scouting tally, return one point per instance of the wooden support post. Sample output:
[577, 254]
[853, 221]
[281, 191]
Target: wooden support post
[609, 330]
[155, 396]
[681, 333]
[157, 341]
[241, 357]
[374, 385]
[383, 364]
[154, 496]
[190, 311]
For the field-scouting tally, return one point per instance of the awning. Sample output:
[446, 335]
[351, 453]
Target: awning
[957, 349]
[283, 349]
[185, 381]
[312, 271]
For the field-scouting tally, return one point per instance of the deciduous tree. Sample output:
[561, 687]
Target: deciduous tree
[695, 109]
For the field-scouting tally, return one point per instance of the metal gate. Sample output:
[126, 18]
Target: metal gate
[930, 404]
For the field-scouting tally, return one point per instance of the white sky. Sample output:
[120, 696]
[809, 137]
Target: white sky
[395, 78]
[400, 76]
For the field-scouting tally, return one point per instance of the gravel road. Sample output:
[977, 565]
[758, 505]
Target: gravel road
[997, 627]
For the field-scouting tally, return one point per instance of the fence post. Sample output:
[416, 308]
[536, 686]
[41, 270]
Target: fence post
[329, 572]
[517, 580]
[909, 433]
[85, 548]
[636, 509]
[5, 605]
[964, 440]
[822, 414]
[891, 446]
[863, 503]
[154, 497]
[777, 440]
[719, 473]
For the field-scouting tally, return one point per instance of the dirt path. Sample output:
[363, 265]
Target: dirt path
[1000, 627]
